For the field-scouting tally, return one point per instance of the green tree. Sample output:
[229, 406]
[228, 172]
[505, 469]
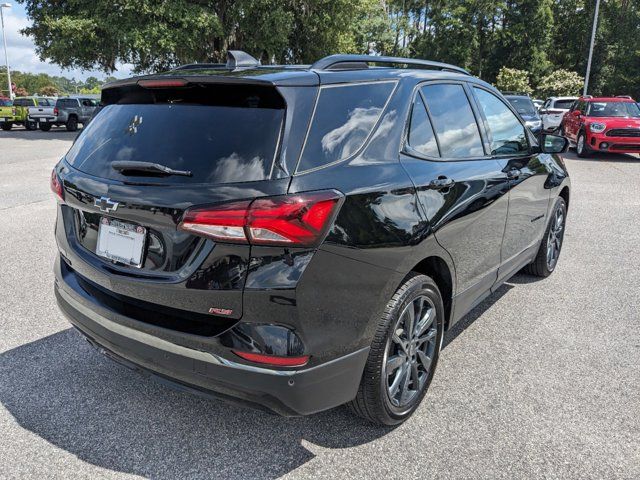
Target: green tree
[49, 91]
[513, 80]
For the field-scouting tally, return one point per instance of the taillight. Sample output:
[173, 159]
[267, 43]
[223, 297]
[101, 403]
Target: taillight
[55, 111]
[273, 359]
[289, 220]
[56, 185]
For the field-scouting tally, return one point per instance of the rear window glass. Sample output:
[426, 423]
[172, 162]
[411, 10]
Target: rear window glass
[5, 102]
[345, 116]
[453, 121]
[217, 143]
[44, 102]
[563, 104]
[523, 105]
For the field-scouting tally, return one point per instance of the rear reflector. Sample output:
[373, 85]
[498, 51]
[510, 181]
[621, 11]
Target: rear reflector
[288, 220]
[169, 83]
[56, 185]
[273, 360]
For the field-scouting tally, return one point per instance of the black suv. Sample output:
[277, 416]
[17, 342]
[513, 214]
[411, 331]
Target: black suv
[300, 237]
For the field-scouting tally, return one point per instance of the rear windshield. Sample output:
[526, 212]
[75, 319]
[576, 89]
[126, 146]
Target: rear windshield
[563, 104]
[5, 102]
[523, 105]
[216, 143]
[613, 109]
[45, 102]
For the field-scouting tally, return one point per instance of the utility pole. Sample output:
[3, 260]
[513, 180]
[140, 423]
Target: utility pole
[4, 40]
[593, 40]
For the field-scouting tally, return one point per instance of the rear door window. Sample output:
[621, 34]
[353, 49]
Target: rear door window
[227, 138]
[563, 104]
[421, 136]
[453, 121]
[507, 135]
[343, 120]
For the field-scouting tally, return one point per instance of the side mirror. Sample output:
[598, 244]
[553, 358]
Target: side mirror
[553, 144]
[542, 111]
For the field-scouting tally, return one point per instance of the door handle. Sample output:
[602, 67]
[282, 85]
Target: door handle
[441, 183]
[514, 173]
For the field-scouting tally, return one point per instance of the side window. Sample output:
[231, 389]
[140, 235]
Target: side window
[506, 133]
[421, 136]
[344, 117]
[453, 121]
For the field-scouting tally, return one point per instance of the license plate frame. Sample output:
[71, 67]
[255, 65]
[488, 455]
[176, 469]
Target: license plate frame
[121, 242]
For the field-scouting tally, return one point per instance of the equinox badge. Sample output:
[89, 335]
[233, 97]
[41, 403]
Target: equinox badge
[105, 204]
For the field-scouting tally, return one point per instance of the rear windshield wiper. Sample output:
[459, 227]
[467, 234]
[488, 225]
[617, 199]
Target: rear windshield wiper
[127, 166]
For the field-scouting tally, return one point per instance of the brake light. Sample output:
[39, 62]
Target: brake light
[169, 83]
[55, 111]
[273, 359]
[289, 220]
[56, 185]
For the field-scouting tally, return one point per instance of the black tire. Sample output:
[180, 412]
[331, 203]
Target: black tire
[6, 126]
[30, 125]
[582, 149]
[543, 265]
[374, 401]
[45, 127]
[72, 124]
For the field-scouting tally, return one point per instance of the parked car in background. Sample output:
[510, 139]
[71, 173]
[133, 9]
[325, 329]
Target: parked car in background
[7, 113]
[43, 113]
[29, 111]
[603, 124]
[538, 103]
[73, 110]
[527, 110]
[553, 110]
[300, 236]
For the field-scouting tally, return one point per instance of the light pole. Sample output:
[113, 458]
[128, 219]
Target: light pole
[4, 40]
[593, 40]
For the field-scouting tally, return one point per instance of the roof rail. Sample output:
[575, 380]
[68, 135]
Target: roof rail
[355, 62]
[624, 96]
[587, 96]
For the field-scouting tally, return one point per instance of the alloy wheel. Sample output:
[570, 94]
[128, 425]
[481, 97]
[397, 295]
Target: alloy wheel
[410, 352]
[554, 240]
[580, 146]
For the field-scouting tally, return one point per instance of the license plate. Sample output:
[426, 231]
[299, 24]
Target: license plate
[44, 120]
[121, 242]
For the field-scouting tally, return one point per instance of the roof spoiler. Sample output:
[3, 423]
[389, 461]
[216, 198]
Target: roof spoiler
[358, 62]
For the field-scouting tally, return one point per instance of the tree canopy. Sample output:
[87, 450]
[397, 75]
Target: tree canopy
[538, 36]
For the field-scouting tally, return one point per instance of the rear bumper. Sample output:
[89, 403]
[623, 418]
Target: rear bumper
[287, 392]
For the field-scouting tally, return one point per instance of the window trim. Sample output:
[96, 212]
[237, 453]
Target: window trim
[412, 151]
[366, 140]
[489, 134]
[417, 90]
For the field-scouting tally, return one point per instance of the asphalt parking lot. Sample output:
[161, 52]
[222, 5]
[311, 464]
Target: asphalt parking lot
[541, 380]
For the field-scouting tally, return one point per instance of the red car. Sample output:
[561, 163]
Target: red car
[603, 124]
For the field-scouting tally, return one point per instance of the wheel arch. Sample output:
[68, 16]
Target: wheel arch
[438, 269]
[564, 193]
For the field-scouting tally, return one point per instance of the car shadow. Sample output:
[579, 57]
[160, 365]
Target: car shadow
[466, 321]
[65, 392]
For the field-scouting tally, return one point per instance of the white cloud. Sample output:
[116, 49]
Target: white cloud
[23, 57]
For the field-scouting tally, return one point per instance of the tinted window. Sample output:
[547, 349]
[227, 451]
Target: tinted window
[89, 102]
[563, 104]
[507, 134]
[44, 102]
[345, 116]
[218, 144]
[613, 109]
[453, 121]
[21, 102]
[421, 137]
[5, 102]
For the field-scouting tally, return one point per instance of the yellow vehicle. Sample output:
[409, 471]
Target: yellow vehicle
[7, 113]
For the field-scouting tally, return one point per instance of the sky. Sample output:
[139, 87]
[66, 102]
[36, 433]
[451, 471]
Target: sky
[22, 53]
